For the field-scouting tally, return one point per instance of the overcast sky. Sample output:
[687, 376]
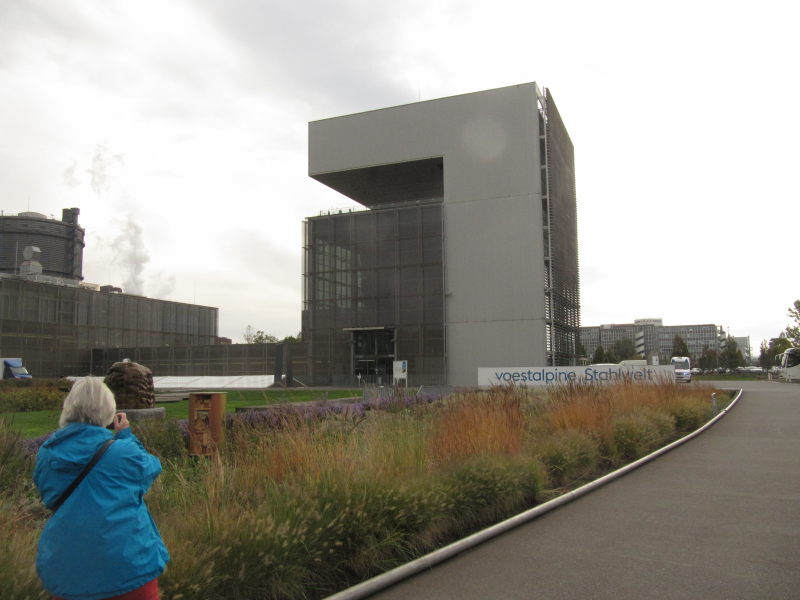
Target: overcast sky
[179, 128]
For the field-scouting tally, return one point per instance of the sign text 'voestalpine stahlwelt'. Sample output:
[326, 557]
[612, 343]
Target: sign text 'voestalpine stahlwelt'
[530, 376]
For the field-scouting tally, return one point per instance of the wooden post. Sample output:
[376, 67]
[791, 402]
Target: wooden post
[206, 427]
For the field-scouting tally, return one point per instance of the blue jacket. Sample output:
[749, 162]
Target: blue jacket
[102, 542]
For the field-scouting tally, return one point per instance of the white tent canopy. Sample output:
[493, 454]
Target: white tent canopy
[212, 382]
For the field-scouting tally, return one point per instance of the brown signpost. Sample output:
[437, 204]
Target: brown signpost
[206, 414]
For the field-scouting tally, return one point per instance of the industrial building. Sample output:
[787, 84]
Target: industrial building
[60, 243]
[465, 252]
[53, 327]
[52, 320]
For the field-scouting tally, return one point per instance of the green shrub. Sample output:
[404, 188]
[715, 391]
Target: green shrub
[161, 437]
[569, 455]
[637, 434]
[688, 414]
[15, 463]
[378, 524]
[27, 395]
[486, 490]
[17, 569]
[293, 544]
[20, 512]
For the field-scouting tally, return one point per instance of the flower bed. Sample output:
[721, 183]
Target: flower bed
[304, 500]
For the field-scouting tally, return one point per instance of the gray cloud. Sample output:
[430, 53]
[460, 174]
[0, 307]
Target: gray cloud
[344, 54]
[339, 57]
[255, 257]
[54, 24]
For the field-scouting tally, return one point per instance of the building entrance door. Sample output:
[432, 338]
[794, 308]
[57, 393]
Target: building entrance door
[373, 354]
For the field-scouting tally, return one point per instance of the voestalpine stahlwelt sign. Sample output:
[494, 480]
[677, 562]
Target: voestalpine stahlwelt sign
[530, 376]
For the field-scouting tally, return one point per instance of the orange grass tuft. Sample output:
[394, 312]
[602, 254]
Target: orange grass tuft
[477, 424]
[593, 408]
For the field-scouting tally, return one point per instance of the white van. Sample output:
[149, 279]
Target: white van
[683, 368]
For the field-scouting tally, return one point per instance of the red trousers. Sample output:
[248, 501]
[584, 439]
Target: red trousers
[149, 591]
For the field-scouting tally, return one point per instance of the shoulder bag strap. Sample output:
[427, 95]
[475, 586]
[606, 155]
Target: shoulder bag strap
[54, 507]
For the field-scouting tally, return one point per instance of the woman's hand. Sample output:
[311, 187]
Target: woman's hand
[120, 421]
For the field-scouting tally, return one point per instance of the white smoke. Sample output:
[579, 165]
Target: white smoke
[71, 176]
[106, 177]
[160, 285]
[102, 169]
[131, 255]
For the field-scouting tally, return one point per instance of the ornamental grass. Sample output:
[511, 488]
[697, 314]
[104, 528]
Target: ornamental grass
[299, 505]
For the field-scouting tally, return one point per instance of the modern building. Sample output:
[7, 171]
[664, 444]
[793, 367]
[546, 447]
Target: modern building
[652, 338]
[743, 344]
[465, 253]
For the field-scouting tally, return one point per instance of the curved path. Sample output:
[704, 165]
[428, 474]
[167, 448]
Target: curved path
[716, 518]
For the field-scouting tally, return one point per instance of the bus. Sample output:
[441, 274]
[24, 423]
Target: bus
[683, 368]
[789, 365]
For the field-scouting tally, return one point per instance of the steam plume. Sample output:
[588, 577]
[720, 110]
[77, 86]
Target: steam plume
[131, 255]
[103, 162]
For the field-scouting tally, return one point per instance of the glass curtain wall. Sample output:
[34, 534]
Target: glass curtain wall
[381, 271]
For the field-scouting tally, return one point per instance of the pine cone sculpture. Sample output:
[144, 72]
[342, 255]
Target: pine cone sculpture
[131, 384]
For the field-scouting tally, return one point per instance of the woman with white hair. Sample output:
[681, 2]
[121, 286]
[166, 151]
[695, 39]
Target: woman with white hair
[101, 542]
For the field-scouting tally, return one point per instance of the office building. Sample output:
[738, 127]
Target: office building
[652, 338]
[464, 254]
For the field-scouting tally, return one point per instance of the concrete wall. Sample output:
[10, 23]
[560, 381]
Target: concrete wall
[489, 142]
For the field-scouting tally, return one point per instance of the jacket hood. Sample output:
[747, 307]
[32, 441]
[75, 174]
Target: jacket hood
[64, 455]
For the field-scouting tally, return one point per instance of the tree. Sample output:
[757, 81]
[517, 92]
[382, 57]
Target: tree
[769, 352]
[793, 331]
[709, 359]
[731, 357]
[679, 347]
[293, 338]
[624, 349]
[763, 356]
[580, 351]
[251, 336]
[599, 355]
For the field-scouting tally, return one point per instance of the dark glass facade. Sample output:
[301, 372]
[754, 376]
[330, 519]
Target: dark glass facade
[373, 293]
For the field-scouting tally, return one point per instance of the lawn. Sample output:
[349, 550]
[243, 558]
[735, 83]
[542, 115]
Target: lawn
[36, 423]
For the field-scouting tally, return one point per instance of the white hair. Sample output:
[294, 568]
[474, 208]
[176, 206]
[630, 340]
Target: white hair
[89, 401]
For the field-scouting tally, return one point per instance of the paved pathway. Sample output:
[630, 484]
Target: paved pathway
[716, 518]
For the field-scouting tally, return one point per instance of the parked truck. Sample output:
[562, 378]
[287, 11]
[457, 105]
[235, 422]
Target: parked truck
[14, 369]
